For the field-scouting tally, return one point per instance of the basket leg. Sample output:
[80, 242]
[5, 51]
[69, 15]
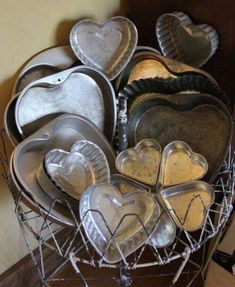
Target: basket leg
[73, 261]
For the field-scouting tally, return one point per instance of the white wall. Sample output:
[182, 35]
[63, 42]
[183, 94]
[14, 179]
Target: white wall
[27, 27]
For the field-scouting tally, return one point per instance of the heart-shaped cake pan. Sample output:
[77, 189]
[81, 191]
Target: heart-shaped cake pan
[179, 164]
[180, 39]
[114, 222]
[188, 203]
[107, 47]
[73, 172]
[81, 90]
[61, 133]
[141, 162]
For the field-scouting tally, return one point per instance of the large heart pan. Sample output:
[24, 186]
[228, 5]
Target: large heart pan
[81, 90]
[180, 39]
[200, 120]
[62, 132]
[108, 46]
[164, 66]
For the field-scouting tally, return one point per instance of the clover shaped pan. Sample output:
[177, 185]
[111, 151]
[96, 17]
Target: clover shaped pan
[29, 154]
[80, 90]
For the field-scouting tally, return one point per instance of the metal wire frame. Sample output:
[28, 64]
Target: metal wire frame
[76, 248]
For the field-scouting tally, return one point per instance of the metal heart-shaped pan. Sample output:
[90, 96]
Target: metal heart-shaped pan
[180, 39]
[61, 133]
[73, 172]
[81, 90]
[188, 203]
[141, 162]
[110, 221]
[107, 47]
[179, 164]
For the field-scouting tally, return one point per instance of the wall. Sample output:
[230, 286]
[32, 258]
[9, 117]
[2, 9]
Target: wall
[27, 27]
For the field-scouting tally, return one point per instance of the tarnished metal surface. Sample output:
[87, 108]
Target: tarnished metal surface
[108, 46]
[109, 216]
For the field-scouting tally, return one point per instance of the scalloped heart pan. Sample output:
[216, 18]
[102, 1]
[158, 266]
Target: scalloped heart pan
[180, 39]
[107, 47]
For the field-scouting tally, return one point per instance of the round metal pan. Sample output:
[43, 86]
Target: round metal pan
[202, 121]
[81, 90]
[60, 58]
[61, 133]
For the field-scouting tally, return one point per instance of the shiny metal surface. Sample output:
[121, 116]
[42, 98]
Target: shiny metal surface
[119, 218]
[125, 184]
[179, 164]
[166, 120]
[141, 162]
[180, 39]
[73, 172]
[61, 58]
[188, 203]
[164, 232]
[150, 64]
[81, 90]
[108, 46]
[60, 133]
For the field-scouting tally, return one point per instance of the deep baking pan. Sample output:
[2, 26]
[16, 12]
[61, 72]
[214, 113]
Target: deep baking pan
[81, 90]
[62, 132]
[202, 121]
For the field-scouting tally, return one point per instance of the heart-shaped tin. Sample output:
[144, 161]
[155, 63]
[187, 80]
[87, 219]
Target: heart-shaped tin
[114, 222]
[179, 164]
[188, 203]
[108, 46]
[180, 39]
[141, 162]
[73, 172]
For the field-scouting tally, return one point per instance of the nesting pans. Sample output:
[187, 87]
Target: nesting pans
[60, 133]
[81, 90]
[200, 120]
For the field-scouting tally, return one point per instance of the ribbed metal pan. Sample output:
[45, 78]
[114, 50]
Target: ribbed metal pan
[60, 133]
[202, 121]
[81, 90]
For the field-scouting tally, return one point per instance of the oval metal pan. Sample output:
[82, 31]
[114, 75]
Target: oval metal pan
[30, 115]
[170, 66]
[59, 133]
[61, 58]
[201, 121]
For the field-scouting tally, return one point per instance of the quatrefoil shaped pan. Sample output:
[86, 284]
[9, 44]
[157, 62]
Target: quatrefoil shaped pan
[182, 40]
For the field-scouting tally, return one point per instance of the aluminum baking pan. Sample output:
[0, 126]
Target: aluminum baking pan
[147, 64]
[74, 171]
[32, 74]
[164, 232]
[81, 90]
[60, 133]
[10, 123]
[61, 57]
[180, 39]
[146, 48]
[166, 121]
[104, 212]
[179, 164]
[125, 184]
[141, 162]
[188, 203]
[107, 47]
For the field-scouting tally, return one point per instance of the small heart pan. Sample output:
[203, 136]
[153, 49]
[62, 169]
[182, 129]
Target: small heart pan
[180, 39]
[200, 120]
[149, 64]
[81, 90]
[61, 133]
[107, 47]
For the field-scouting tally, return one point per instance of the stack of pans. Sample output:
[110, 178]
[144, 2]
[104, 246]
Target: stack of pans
[57, 101]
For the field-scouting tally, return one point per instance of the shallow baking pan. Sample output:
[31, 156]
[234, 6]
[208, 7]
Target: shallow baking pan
[164, 120]
[81, 90]
[188, 203]
[60, 133]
